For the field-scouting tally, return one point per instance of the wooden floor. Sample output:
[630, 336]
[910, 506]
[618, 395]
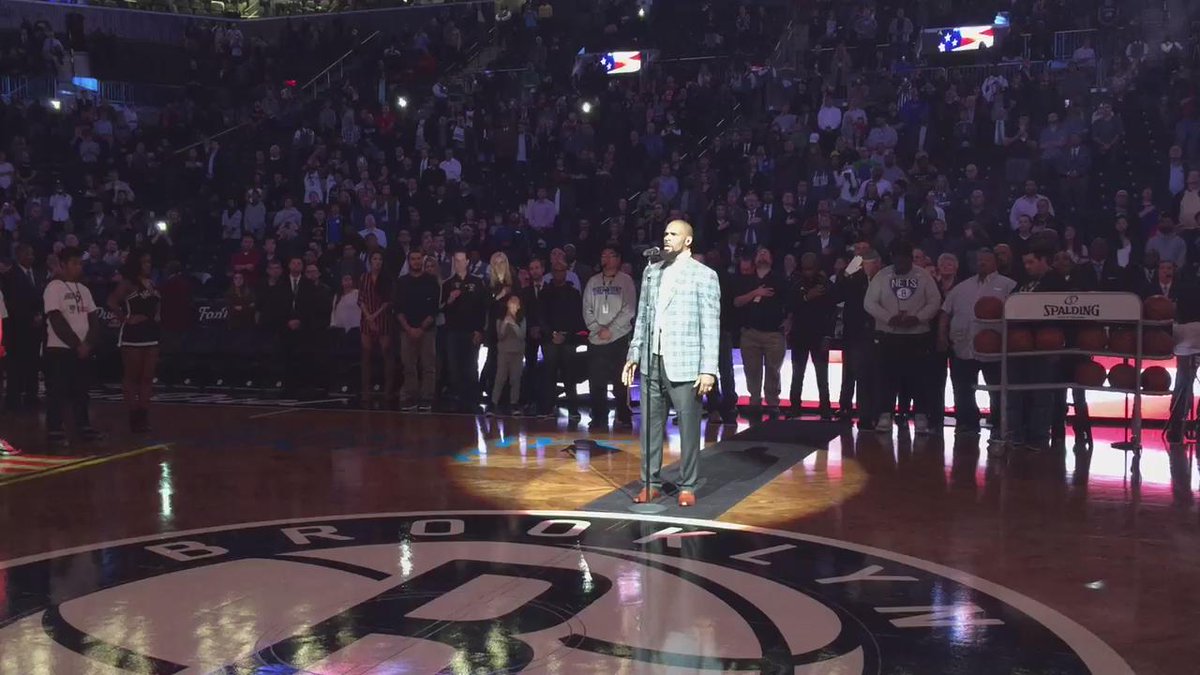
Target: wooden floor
[1111, 546]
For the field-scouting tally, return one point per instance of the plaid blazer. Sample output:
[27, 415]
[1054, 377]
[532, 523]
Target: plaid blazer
[691, 333]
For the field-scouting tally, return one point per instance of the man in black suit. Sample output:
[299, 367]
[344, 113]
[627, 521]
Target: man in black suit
[297, 298]
[754, 225]
[534, 304]
[1102, 273]
[24, 329]
[1164, 284]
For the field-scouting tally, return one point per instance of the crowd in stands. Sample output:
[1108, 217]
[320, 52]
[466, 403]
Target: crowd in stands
[489, 185]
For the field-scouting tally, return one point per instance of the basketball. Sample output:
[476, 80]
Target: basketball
[1020, 340]
[1091, 339]
[1050, 338]
[989, 308]
[987, 342]
[1122, 341]
[1122, 376]
[1089, 374]
[1156, 378]
[1158, 308]
[1158, 342]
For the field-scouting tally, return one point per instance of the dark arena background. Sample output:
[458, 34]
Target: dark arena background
[338, 334]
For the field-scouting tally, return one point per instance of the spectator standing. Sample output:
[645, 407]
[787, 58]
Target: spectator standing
[957, 329]
[903, 299]
[74, 329]
[415, 301]
[609, 303]
[501, 283]
[137, 304]
[860, 357]
[810, 330]
[241, 306]
[345, 313]
[1168, 245]
[299, 297]
[23, 329]
[464, 299]
[510, 357]
[562, 317]
[760, 295]
[1187, 202]
[1027, 203]
[375, 322]
[1030, 413]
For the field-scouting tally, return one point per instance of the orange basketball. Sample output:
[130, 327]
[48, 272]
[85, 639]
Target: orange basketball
[1158, 308]
[1156, 378]
[989, 308]
[1050, 337]
[1122, 341]
[1158, 342]
[1020, 340]
[1089, 373]
[1122, 376]
[987, 342]
[1091, 338]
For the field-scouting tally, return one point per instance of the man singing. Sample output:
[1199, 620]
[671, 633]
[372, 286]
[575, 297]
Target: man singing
[679, 319]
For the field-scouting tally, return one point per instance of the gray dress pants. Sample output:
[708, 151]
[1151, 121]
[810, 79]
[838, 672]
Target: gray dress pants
[658, 393]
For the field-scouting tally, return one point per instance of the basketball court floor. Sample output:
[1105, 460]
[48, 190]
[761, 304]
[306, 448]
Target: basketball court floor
[259, 539]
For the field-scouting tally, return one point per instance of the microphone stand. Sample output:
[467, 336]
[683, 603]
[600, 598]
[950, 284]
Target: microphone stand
[647, 407]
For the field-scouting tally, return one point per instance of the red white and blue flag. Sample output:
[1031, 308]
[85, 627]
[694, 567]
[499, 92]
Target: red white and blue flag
[622, 63]
[965, 38]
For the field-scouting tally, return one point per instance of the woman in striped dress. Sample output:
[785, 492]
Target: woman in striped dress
[138, 306]
[374, 298]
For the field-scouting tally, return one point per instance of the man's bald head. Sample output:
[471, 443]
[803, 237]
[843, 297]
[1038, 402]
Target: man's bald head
[677, 239]
[688, 230]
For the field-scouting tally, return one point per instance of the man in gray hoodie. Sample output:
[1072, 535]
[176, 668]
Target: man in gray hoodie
[903, 299]
[609, 303]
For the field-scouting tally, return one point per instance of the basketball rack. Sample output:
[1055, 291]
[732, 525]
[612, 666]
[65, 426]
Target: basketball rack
[1097, 307]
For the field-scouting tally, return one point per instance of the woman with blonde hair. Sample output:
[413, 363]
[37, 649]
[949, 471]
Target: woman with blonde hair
[500, 281]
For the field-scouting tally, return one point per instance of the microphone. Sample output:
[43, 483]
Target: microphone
[653, 252]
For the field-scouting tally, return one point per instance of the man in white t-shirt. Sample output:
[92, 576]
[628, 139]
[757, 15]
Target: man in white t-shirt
[73, 329]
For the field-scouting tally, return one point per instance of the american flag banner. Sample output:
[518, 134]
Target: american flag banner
[622, 63]
[965, 38]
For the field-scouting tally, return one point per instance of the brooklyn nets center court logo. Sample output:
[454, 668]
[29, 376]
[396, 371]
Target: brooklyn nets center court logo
[518, 592]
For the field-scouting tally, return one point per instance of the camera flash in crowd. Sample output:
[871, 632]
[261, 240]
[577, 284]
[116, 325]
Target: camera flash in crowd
[402, 102]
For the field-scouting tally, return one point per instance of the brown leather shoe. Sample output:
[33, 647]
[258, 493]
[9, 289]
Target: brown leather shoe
[687, 498]
[647, 495]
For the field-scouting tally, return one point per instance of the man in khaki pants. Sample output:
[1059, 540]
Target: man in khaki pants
[417, 298]
[759, 296]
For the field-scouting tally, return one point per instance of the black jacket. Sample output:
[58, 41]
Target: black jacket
[22, 296]
[416, 298]
[467, 312]
[856, 322]
[563, 312]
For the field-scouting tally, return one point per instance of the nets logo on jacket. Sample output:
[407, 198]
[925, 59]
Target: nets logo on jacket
[512, 592]
[904, 287]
